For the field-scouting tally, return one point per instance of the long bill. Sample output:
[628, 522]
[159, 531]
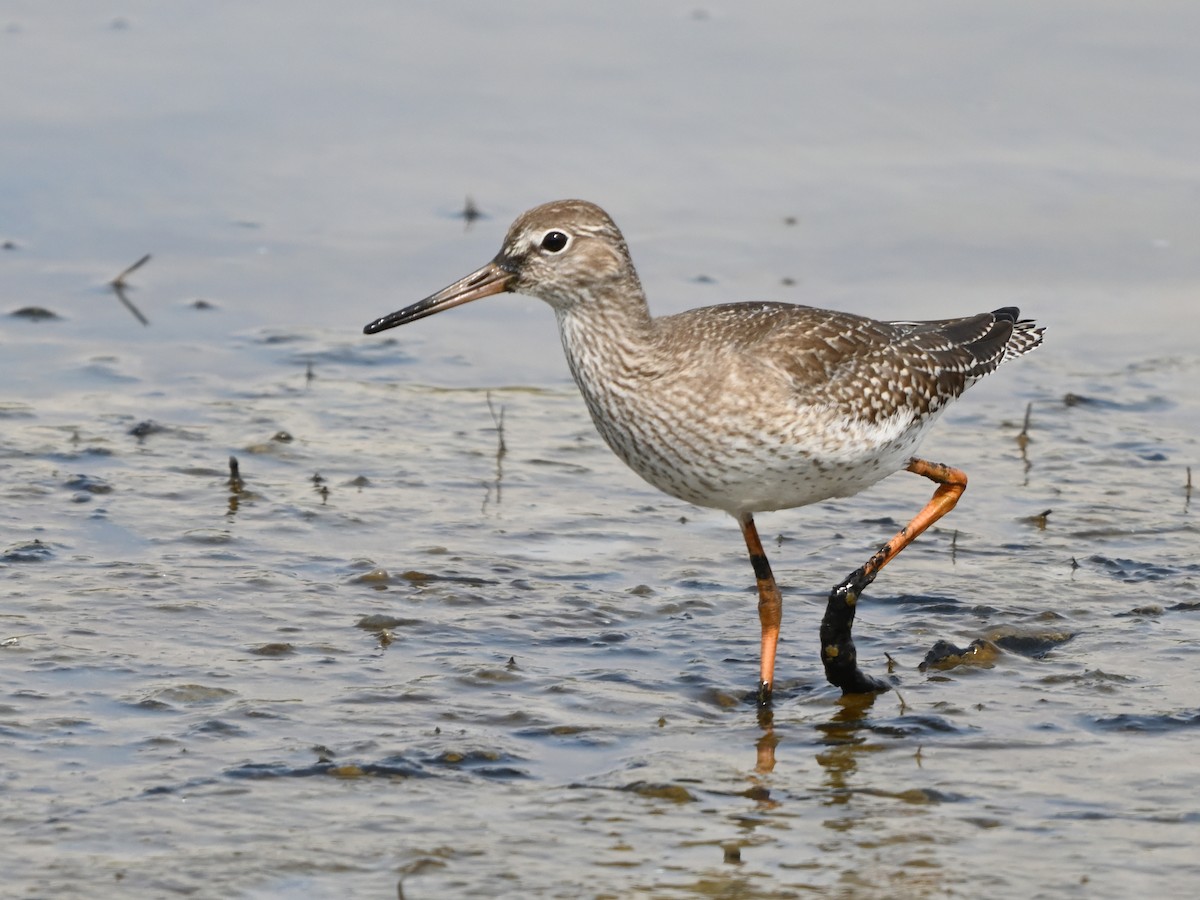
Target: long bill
[493, 278]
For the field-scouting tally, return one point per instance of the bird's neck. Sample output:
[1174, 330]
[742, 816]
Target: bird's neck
[606, 337]
[612, 349]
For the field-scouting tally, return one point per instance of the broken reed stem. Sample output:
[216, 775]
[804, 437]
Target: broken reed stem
[119, 281]
[118, 285]
[1023, 437]
[498, 421]
[235, 478]
[470, 213]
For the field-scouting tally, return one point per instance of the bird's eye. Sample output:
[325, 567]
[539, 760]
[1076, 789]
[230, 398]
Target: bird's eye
[554, 241]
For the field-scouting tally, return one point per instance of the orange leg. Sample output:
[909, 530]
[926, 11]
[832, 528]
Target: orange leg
[770, 607]
[837, 646]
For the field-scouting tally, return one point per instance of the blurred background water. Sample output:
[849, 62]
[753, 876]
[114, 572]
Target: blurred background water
[393, 659]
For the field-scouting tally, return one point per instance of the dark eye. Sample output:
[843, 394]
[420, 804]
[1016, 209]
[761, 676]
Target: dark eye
[554, 241]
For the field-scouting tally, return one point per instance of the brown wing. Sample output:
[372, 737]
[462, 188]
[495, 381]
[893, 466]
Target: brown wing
[868, 368]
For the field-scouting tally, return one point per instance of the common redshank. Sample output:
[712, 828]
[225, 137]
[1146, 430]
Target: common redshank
[746, 407]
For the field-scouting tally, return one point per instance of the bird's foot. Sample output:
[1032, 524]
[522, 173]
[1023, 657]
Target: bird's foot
[763, 695]
[850, 587]
[838, 653]
[859, 682]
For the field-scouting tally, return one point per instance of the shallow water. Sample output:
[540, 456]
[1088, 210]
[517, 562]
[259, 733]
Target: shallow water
[396, 659]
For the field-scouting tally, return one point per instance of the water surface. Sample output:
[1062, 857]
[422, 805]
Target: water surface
[394, 658]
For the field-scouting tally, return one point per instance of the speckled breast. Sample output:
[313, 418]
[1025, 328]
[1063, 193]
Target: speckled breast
[735, 457]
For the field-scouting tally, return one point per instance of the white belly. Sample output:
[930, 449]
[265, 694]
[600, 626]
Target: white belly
[746, 464]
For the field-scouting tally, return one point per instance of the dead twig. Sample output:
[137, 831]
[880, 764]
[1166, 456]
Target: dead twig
[501, 451]
[119, 284]
[1023, 440]
[236, 485]
[470, 212]
[120, 279]
[498, 421]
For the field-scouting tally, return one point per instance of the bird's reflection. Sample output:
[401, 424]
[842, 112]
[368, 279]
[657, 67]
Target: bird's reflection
[845, 738]
[767, 741]
[842, 738]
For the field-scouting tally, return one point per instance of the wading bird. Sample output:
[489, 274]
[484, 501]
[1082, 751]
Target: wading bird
[746, 407]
